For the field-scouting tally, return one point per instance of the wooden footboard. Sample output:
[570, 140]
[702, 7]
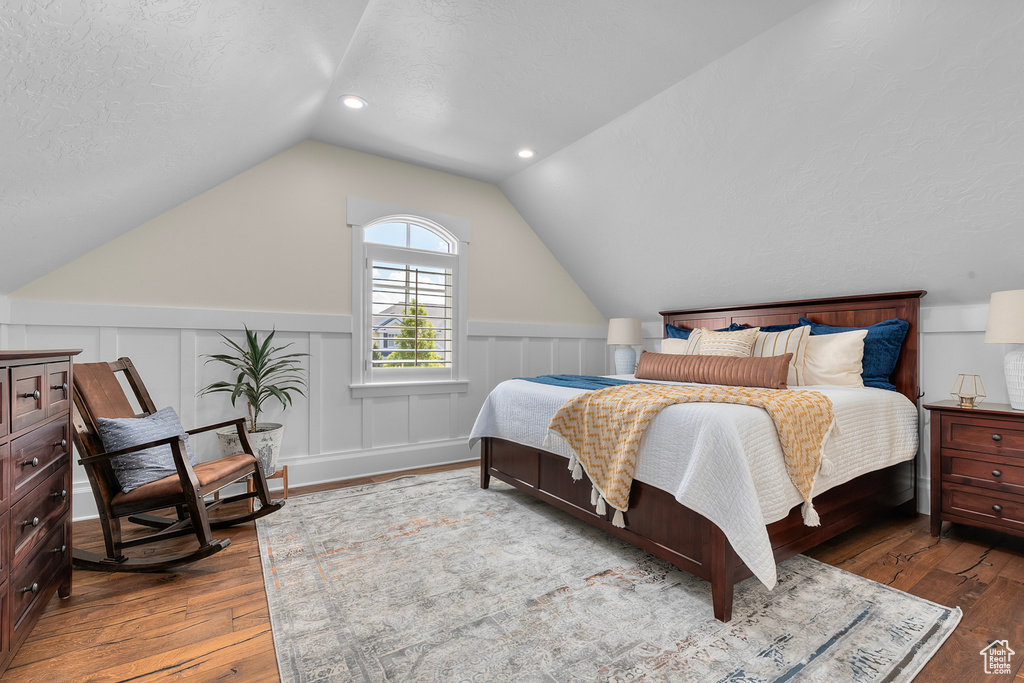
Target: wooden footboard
[657, 524]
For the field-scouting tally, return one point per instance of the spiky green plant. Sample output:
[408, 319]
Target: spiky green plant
[264, 372]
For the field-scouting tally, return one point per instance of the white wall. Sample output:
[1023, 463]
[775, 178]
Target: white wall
[270, 248]
[274, 238]
[331, 435]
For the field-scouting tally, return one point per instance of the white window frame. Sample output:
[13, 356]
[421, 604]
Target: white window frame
[362, 214]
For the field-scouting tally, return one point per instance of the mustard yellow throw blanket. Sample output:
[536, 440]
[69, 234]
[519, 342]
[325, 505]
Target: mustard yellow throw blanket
[604, 429]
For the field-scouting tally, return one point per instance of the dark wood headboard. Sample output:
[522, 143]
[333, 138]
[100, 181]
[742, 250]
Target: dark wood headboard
[844, 311]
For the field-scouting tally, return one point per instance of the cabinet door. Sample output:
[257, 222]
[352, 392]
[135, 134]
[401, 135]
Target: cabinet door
[30, 396]
[6, 475]
[5, 407]
[58, 388]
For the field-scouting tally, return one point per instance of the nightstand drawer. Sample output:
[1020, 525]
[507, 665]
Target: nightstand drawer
[968, 470]
[981, 505]
[980, 434]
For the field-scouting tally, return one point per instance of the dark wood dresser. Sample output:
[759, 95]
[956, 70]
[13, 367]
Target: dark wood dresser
[35, 489]
[977, 466]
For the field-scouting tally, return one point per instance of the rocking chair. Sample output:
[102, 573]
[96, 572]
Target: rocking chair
[98, 393]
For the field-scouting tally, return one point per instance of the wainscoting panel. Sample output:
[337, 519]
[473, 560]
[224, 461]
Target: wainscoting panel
[539, 359]
[332, 436]
[328, 435]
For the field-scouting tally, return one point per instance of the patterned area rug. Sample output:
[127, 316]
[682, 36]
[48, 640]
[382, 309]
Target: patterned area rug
[430, 578]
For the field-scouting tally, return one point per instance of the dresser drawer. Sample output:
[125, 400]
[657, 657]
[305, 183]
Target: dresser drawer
[5, 548]
[30, 579]
[983, 506]
[32, 454]
[983, 435]
[969, 470]
[6, 472]
[35, 515]
[5, 403]
[58, 388]
[28, 404]
[5, 626]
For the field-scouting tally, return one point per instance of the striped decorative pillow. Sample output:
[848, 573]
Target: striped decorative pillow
[788, 341]
[738, 344]
[682, 347]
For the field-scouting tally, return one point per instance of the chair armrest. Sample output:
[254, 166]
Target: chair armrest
[207, 428]
[166, 441]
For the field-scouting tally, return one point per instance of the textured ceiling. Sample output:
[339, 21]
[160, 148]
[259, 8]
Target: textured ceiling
[113, 112]
[859, 147]
[461, 85]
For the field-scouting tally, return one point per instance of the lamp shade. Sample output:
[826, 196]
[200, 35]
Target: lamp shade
[1005, 318]
[625, 331]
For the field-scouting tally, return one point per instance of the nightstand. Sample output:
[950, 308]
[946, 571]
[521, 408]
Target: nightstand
[977, 465]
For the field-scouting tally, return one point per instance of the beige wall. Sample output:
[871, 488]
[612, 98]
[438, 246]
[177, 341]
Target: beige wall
[274, 238]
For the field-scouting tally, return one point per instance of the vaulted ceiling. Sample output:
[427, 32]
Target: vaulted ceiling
[115, 112]
[841, 145]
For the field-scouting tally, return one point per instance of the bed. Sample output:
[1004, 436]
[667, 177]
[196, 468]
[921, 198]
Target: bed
[659, 524]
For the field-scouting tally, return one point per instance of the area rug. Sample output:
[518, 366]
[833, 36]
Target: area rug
[430, 578]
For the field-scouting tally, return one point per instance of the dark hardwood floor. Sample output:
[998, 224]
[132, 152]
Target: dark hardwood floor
[209, 622]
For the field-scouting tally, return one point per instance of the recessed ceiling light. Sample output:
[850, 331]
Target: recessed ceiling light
[526, 153]
[352, 101]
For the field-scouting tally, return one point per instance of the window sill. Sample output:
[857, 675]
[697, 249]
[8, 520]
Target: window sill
[454, 386]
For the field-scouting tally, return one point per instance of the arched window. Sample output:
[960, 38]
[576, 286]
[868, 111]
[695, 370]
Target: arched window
[410, 296]
[409, 326]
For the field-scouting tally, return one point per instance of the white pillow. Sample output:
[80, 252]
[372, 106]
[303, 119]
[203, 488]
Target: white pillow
[835, 359]
[788, 341]
[684, 347]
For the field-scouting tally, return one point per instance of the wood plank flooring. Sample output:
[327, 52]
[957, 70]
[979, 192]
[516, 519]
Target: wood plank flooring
[209, 621]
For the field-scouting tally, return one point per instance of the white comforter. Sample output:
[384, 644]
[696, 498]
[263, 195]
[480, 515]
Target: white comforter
[725, 461]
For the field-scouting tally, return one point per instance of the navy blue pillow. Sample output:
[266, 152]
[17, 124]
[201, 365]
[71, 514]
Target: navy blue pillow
[673, 332]
[765, 328]
[881, 348]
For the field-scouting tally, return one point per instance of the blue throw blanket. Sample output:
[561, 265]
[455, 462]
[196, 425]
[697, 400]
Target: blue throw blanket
[579, 381]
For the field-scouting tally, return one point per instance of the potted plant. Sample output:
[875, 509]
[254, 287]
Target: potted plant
[263, 372]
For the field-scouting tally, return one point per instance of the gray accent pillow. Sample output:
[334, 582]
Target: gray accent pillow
[142, 467]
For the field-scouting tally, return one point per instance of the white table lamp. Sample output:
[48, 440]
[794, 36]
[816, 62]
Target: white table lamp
[1006, 326]
[624, 334]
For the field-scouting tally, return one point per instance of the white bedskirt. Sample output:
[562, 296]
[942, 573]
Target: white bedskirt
[724, 461]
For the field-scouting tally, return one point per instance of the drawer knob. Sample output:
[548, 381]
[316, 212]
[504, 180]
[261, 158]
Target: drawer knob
[34, 462]
[997, 508]
[31, 522]
[62, 495]
[996, 473]
[60, 549]
[34, 588]
[61, 387]
[34, 394]
[63, 443]
[997, 437]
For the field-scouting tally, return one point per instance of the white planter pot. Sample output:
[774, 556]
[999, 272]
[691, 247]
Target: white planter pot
[266, 443]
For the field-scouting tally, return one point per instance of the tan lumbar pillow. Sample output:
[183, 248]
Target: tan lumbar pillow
[835, 359]
[738, 343]
[769, 372]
